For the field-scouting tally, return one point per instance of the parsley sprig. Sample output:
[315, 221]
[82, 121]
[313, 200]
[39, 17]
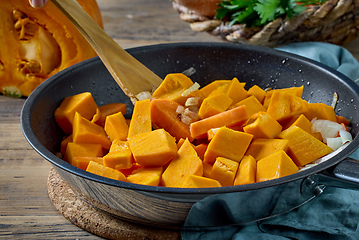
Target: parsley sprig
[261, 12]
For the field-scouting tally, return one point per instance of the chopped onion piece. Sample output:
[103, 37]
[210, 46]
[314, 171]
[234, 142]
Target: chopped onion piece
[180, 109]
[143, 96]
[190, 71]
[193, 115]
[334, 143]
[335, 100]
[345, 136]
[327, 128]
[186, 119]
[193, 108]
[192, 101]
[187, 116]
[192, 88]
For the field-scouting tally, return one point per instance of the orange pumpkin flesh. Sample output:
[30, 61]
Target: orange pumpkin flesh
[37, 43]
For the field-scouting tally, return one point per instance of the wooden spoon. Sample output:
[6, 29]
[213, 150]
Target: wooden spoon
[131, 75]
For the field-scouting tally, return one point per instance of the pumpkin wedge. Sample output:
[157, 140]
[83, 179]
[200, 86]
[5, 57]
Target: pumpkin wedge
[37, 43]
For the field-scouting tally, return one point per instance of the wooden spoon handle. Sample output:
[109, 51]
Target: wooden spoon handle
[131, 75]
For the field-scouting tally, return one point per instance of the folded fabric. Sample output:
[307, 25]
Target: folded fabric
[332, 215]
[331, 55]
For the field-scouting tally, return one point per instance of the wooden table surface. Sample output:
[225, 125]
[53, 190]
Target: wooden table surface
[25, 209]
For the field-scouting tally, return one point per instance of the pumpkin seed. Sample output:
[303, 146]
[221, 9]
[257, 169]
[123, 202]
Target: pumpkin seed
[16, 14]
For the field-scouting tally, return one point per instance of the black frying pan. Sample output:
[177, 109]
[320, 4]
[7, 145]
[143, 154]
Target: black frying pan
[253, 65]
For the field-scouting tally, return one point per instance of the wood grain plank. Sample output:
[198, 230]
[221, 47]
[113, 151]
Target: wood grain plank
[139, 22]
[41, 227]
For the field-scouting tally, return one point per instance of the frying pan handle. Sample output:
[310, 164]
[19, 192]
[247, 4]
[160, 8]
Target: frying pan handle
[347, 170]
[344, 175]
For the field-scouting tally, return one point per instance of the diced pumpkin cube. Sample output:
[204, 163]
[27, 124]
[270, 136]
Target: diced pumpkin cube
[219, 90]
[194, 181]
[82, 103]
[153, 149]
[87, 132]
[98, 169]
[235, 116]
[229, 144]
[127, 172]
[106, 110]
[118, 160]
[180, 142]
[83, 162]
[262, 125]
[146, 176]
[224, 171]
[320, 111]
[300, 121]
[232, 88]
[172, 88]
[64, 144]
[201, 149]
[164, 115]
[82, 150]
[119, 156]
[96, 116]
[118, 145]
[212, 86]
[214, 104]
[252, 105]
[274, 166]
[116, 127]
[235, 90]
[284, 105]
[184, 164]
[207, 169]
[246, 172]
[303, 148]
[141, 118]
[295, 91]
[258, 92]
[262, 147]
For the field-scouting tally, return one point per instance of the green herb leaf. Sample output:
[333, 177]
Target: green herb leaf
[238, 11]
[261, 12]
[268, 10]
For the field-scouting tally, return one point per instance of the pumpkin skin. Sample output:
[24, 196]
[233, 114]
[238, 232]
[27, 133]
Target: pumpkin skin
[37, 43]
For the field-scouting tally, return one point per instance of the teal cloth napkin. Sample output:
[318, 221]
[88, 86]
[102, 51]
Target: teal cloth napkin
[333, 215]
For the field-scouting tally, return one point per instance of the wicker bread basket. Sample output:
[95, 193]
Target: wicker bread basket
[336, 21]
